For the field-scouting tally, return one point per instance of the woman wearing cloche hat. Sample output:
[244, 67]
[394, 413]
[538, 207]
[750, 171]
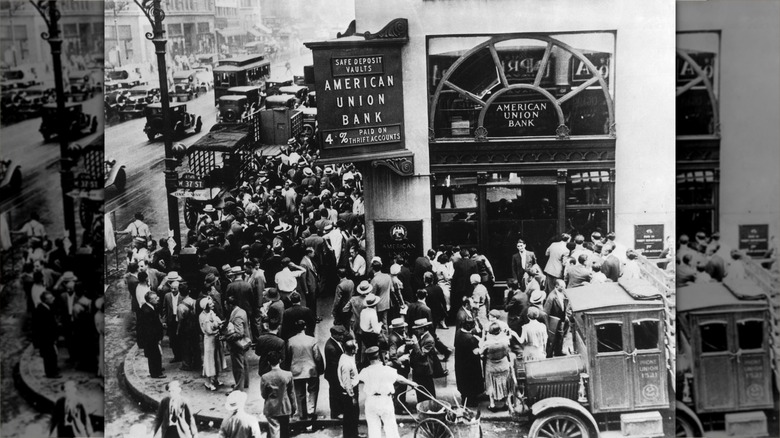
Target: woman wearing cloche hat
[212, 352]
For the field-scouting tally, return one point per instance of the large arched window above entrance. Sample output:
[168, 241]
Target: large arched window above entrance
[521, 86]
[697, 78]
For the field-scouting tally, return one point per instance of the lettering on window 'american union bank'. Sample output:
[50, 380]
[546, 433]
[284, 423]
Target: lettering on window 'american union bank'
[522, 114]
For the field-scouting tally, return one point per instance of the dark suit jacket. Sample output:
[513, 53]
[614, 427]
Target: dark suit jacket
[611, 267]
[45, 331]
[266, 343]
[149, 327]
[577, 276]
[333, 352]
[420, 356]
[518, 268]
[461, 284]
[418, 310]
[242, 290]
[294, 314]
[421, 266]
[132, 284]
[186, 420]
[168, 310]
[344, 292]
[406, 279]
[276, 388]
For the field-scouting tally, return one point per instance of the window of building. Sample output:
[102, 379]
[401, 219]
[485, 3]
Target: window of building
[697, 201]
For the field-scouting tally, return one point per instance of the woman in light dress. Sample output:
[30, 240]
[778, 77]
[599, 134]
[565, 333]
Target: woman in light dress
[481, 298]
[213, 359]
[534, 337]
[631, 269]
[499, 376]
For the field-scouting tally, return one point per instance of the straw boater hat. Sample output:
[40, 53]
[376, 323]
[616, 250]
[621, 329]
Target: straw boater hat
[376, 260]
[68, 276]
[291, 140]
[341, 195]
[282, 228]
[372, 350]
[364, 288]
[398, 323]
[235, 400]
[328, 171]
[395, 269]
[204, 302]
[209, 209]
[307, 171]
[475, 278]
[244, 247]
[420, 323]
[139, 239]
[225, 267]
[537, 297]
[327, 228]
[371, 300]
[235, 270]
[173, 276]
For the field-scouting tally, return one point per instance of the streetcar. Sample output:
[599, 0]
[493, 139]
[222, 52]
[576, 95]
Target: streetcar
[216, 163]
[724, 363]
[618, 380]
[239, 71]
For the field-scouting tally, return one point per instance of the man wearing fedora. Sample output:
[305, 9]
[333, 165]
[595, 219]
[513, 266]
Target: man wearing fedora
[356, 305]
[305, 362]
[297, 312]
[398, 357]
[170, 313]
[150, 333]
[421, 357]
[344, 291]
[238, 423]
[370, 327]
[237, 339]
[242, 290]
[382, 284]
[378, 384]
[45, 334]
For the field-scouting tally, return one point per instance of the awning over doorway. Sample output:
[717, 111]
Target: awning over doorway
[255, 32]
[231, 32]
[262, 28]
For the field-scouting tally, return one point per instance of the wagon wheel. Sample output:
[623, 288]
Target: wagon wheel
[308, 130]
[191, 213]
[684, 426]
[558, 424]
[432, 428]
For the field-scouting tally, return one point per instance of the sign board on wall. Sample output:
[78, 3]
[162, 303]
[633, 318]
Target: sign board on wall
[754, 239]
[359, 85]
[649, 239]
[393, 238]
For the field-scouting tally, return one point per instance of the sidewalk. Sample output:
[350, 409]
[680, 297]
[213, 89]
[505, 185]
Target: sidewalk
[209, 405]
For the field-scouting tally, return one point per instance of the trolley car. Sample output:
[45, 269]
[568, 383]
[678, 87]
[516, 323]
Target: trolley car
[724, 363]
[239, 71]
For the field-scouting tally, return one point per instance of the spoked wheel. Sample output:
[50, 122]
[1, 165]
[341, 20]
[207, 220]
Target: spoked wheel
[559, 425]
[432, 428]
[191, 213]
[685, 427]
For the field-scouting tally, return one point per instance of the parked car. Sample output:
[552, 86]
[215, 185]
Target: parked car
[116, 175]
[181, 120]
[18, 77]
[123, 77]
[184, 86]
[10, 177]
[136, 99]
[75, 120]
[32, 99]
[81, 86]
[240, 103]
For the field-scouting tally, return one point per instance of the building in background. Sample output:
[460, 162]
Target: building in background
[493, 137]
[728, 107]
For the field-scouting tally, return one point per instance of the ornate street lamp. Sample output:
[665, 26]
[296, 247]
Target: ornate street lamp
[51, 16]
[154, 13]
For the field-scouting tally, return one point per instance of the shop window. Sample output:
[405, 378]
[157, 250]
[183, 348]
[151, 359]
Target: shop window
[696, 187]
[609, 337]
[697, 70]
[750, 334]
[588, 188]
[70, 30]
[646, 334]
[460, 228]
[203, 28]
[714, 337]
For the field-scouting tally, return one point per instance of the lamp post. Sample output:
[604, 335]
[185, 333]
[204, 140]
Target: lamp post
[154, 13]
[44, 8]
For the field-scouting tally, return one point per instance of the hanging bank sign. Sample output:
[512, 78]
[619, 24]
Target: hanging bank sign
[358, 80]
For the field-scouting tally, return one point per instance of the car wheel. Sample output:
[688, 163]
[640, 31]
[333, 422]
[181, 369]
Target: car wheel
[560, 424]
[684, 426]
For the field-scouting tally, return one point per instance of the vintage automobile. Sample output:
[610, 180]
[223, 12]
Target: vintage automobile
[135, 101]
[216, 163]
[111, 105]
[31, 99]
[81, 86]
[75, 120]
[299, 91]
[10, 177]
[18, 77]
[122, 77]
[724, 366]
[281, 101]
[618, 381]
[7, 106]
[180, 119]
[116, 175]
[240, 103]
[272, 85]
[204, 78]
[184, 86]
[309, 121]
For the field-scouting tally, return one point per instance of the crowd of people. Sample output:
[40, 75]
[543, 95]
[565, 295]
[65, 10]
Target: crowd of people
[252, 272]
[705, 259]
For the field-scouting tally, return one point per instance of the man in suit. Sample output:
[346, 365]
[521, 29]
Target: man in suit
[685, 273]
[715, 266]
[611, 265]
[421, 356]
[131, 278]
[555, 254]
[269, 342]
[66, 285]
[344, 291]
[276, 388]
[297, 312]
[171, 318]
[238, 319]
[579, 274]
[522, 262]
[154, 277]
[382, 285]
[256, 279]
[422, 265]
[150, 334]
[45, 334]
[309, 281]
[334, 348]
[557, 305]
[306, 364]
[242, 290]
[461, 283]
[398, 358]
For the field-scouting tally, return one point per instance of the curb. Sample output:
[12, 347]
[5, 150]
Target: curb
[130, 379]
[24, 382]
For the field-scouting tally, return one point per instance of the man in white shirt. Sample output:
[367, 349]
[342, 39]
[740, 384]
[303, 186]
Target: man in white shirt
[287, 279]
[357, 263]
[32, 228]
[142, 288]
[554, 267]
[347, 374]
[137, 228]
